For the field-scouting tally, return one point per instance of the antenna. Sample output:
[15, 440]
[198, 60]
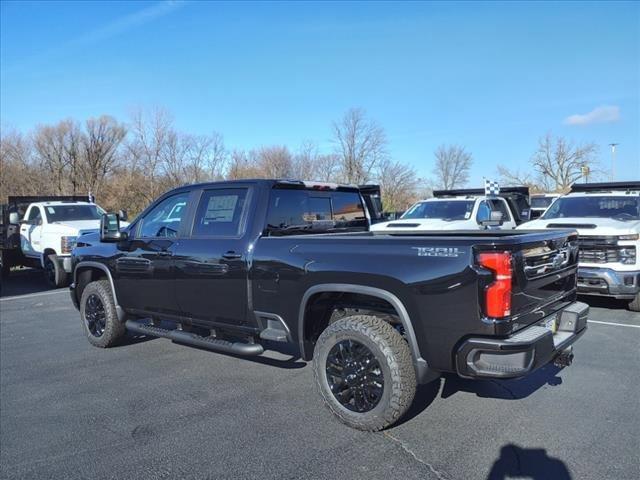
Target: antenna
[613, 160]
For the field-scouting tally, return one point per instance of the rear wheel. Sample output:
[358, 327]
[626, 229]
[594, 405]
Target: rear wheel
[54, 273]
[98, 314]
[364, 372]
[634, 305]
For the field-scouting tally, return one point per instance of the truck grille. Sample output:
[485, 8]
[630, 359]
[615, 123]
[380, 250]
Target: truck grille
[599, 254]
[604, 249]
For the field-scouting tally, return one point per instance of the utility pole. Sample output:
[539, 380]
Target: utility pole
[613, 160]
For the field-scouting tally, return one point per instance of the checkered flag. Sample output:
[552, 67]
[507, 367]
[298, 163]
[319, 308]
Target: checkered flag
[491, 187]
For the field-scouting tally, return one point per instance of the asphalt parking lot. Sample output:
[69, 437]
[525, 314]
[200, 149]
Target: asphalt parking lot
[153, 409]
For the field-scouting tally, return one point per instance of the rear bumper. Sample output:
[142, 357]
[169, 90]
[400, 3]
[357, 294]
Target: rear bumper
[526, 350]
[608, 282]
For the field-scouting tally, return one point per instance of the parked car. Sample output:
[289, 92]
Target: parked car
[607, 217]
[465, 209]
[41, 231]
[251, 263]
[540, 202]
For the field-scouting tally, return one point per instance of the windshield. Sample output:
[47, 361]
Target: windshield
[541, 202]
[444, 210]
[619, 208]
[65, 213]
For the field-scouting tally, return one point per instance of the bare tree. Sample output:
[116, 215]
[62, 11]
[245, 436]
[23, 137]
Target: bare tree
[452, 166]
[361, 144]
[310, 164]
[146, 149]
[560, 161]
[533, 180]
[100, 150]
[53, 147]
[206, 157]
[19, 175]
[274, 162]
[242, 165]
[399, 185]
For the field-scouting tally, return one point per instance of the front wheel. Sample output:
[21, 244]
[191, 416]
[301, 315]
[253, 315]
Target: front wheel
[634, 305]
[364, 372]
[98, 314]
[54, 273]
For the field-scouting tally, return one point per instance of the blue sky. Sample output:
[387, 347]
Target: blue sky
[490, 76]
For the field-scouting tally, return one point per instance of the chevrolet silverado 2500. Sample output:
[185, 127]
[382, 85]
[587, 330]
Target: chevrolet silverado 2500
[244, 264]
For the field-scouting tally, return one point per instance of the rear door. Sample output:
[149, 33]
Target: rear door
[211, 261]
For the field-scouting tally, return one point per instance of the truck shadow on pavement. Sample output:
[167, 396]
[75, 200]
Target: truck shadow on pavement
[504, 389]
[533, 463]
[450, 384]
[604, 302]
[24, 281]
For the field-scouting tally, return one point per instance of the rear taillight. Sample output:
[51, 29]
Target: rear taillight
[498, 293]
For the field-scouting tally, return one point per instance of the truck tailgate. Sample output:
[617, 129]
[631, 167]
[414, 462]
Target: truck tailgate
[544, 277]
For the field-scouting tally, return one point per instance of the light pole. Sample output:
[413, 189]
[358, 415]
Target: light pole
[613, 159]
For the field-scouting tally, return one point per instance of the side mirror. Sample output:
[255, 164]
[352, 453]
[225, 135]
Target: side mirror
[110, 228]
[494, 220]
[14, 218]
[123, 215]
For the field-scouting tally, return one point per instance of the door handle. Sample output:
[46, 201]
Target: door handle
[232, 256]
[165, 253]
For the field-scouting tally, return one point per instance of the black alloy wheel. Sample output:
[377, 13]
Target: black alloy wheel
[95, 315]
[354, 376]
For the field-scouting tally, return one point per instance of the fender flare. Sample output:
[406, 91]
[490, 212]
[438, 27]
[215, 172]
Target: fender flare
[423, 373]
[104, 268]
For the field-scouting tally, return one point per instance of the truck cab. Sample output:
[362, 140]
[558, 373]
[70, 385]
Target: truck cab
[467, 209]
[607, 218]
[41, 231]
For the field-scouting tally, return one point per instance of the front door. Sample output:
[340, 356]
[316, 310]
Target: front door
[31, 232]
[145, 273]
[211, 263]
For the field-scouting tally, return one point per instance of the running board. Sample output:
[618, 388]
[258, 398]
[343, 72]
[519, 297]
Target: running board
[210, 343]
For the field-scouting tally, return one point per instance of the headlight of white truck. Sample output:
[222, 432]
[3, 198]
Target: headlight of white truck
[627, 255]
[67, 244]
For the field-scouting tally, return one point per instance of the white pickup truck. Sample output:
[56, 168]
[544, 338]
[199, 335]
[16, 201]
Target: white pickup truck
[607, 218]
[41, 232]
[464, 209]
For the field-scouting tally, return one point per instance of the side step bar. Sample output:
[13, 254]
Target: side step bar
[210, 343]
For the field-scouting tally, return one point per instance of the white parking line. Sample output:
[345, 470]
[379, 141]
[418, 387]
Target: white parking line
[614, 324]
[29, 295]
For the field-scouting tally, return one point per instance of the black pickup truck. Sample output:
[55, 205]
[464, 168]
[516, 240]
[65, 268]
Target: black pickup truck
[236, 266]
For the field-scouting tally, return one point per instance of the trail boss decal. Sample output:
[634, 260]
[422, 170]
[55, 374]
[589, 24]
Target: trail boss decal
[438, 251]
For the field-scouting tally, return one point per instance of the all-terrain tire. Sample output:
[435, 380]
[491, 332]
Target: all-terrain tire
[99, 293]
[54, 273]
[634, 305]
[394, 357]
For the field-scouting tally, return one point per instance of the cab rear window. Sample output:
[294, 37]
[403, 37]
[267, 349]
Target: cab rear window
[308, 211]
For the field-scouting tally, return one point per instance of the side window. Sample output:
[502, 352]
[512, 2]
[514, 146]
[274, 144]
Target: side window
[500, 205]
[34, 215]
[164, 219]
[219, 212]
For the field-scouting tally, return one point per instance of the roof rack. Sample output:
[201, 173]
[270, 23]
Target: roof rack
[605, 186]
[47, 198]
[478, 191]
